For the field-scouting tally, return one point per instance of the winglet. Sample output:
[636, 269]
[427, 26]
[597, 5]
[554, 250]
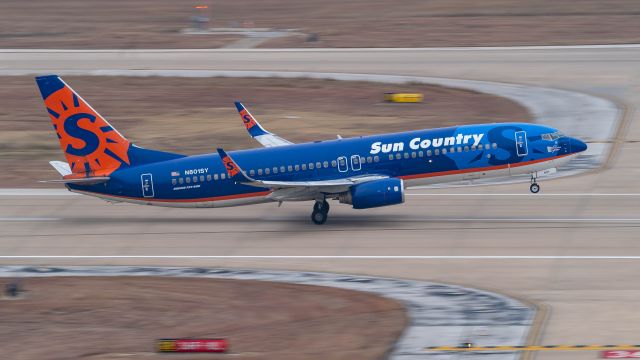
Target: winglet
[253, 126]
[233, 170]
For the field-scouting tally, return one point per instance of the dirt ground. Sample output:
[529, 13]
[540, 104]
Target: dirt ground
[357, 23]
[110, 317]
[196, 115]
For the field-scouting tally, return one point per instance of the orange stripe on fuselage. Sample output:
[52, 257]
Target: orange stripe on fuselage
[215, 198]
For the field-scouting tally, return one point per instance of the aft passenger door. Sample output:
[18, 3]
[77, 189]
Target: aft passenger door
[147, 185]
[521, 143]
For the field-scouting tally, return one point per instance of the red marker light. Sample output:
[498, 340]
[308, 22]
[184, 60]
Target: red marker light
[193, 345]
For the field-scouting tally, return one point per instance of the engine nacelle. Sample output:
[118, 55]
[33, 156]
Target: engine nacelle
[374, 194]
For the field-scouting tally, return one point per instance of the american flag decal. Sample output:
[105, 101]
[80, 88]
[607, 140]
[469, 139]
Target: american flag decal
[175, 173]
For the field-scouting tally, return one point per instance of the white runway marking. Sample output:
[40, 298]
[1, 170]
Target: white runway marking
[338, 257]
[524, 194]
[36, 192]
[65, 192]
[552, 220]
[28, 219]
[453, 48]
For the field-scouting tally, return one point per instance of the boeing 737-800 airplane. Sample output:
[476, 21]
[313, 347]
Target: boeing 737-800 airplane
[365, 172]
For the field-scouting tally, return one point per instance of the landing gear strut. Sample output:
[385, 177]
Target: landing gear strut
[320, 212]
[534, 188]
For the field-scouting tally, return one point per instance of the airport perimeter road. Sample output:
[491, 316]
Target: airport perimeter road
[591, 300]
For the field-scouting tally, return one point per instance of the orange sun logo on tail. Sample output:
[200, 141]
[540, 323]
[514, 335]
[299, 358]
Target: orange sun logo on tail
[92, 147]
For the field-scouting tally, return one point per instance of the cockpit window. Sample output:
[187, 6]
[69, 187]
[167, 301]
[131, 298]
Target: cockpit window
[552, 136]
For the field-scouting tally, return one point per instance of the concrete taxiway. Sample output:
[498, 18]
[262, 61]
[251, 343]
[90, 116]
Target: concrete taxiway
[561, 239]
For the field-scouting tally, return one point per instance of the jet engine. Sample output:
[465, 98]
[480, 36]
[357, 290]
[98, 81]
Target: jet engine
[374, 194]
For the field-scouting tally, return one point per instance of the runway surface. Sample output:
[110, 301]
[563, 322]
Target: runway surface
[590, 299]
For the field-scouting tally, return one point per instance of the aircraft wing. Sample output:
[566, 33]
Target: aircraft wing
[290, 190]
[256, 131]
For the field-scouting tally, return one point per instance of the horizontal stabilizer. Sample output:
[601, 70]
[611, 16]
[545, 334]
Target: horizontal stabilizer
[80, 181]
[62, 167]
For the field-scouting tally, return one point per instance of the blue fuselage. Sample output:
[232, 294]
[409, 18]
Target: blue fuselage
[418, 157]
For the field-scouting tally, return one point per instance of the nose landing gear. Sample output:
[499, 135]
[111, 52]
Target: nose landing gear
[320, 212]
[534, 188]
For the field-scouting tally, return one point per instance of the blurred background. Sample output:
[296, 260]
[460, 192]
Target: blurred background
[492, 264]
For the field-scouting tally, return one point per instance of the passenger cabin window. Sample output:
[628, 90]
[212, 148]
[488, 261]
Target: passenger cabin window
[173, 181]
[201, 178]
[209, 177]
[282, 169]
[297, 167]
[252, 173]
[311, 166]
[267, 171]
[180, 181]
[376, 158]
[290, 168]
[215, 176]
[325, 164]
[304, 166]
[318, 165]
[259, 172]
[333, 163]
[223, 176]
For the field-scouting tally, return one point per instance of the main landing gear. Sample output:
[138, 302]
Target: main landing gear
[320, 212]
[534, 188]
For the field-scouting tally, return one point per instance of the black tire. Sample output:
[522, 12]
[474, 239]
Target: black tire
[534, 188]
[318, 217]
[321, 206]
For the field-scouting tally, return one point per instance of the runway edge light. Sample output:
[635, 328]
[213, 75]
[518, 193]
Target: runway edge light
[192, 345]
